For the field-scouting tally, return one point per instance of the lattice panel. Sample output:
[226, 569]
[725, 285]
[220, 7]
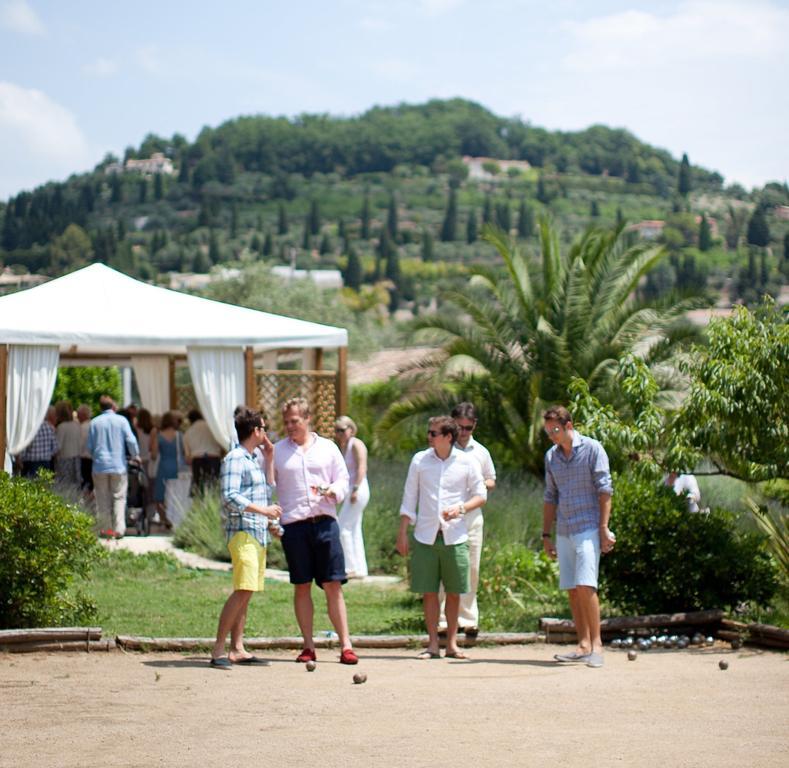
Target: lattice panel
[185, 398]
[319, 388]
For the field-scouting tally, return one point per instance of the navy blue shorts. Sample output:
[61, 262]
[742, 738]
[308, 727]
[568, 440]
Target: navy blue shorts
[313, 551]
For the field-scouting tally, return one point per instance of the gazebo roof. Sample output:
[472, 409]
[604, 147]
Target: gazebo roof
[99, 311]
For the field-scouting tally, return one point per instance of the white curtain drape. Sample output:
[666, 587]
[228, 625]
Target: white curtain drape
[153, 381]
[218, 379]
[31, 381]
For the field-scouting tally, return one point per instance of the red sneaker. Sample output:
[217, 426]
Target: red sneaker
[307, 654]
[348, 657]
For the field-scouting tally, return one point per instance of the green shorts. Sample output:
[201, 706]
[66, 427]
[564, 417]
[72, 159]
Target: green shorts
[433, 563]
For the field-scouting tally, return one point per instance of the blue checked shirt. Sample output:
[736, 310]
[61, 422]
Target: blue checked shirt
[243, 483]
[44, 445]
[574, 483]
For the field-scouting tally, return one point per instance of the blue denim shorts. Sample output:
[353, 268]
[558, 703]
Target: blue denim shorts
[579, 559]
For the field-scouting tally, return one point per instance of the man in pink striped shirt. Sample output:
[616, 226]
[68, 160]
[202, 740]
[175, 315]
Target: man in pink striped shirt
[311, 479]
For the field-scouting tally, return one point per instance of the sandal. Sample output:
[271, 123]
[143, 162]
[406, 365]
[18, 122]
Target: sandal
[455, 655]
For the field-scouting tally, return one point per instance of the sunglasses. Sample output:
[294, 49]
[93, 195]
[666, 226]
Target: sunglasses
[340, 430]
[433, 433]
[461, 428]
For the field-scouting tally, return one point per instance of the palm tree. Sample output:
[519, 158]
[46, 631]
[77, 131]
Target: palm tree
[512, 342]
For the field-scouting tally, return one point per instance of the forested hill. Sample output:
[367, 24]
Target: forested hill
[385, 185]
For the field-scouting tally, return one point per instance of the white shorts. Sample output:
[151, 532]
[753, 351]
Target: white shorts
[579, 559]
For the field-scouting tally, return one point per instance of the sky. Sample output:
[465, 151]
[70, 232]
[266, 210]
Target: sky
[83, 78]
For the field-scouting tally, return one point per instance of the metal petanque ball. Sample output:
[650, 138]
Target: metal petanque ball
[723, 664]
[698, 639]
[710, 640]
[682, 642]
[736, 644]
[310, 665]
[632, 655]
[616, 643]
[627, 642]
[359, 678]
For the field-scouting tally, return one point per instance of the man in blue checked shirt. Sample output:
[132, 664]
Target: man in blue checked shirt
[248, 512]
[578, 498]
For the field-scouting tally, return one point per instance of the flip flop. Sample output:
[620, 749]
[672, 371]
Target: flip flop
[455, 655]
[252, 660]
[425, 655]
[221, 663]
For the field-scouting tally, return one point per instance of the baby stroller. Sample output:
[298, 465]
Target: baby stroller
[136, 498]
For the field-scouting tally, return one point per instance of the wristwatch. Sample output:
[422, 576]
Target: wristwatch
[546, 535]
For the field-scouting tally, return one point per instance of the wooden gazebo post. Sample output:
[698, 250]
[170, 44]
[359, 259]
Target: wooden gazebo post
[3, 396]
[342, 380]
[250, 395]
[171, 382]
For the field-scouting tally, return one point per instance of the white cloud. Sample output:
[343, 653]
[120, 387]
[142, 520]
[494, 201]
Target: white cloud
[20, 17]
[149, 59]
[39, 139]
[101, 67]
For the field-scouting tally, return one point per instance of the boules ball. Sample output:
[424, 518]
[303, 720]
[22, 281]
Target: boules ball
[682, 642]
[736, 644]
[359, 678]
[616, 643]
[310, 666]
[710, 641]
[697, 639]
[632, 655]
[723, 664]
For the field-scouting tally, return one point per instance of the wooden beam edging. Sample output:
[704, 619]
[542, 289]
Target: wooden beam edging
[107, 644]
[137, 643]
[49, 634]
[620, 623]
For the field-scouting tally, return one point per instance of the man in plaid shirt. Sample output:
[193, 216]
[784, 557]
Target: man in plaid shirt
[41, 452]
[578, 497]
[248, 513]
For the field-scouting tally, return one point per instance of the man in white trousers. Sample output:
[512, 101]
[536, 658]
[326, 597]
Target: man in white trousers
[465, 416]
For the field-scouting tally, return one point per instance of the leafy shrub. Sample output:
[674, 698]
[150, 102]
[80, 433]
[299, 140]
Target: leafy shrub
[667, 559]
[45, 544]
[517, 585]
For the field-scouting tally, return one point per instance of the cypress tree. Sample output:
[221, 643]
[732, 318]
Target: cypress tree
[705, 235]
[314, 219]
[427, 246]
[202, 262]
[487, 211]
[234, 221]
[142, 190]
[620, 218]
[183, 171]
[393, 265]
[353, 270]
[341, 230]
[158, 186]
[325, 246]
[214, 256]
[116, 188]
[255, 244]
[594, 210]
[365, 216]
[268, 245]
[471, 227]
[684, 180]
[503, 215]
[449, 227]
[542, 192]
[306, 242]
[758, 231]
[764, 270]
[121, 230]
[391, 218]
[525, 220]
[282, 220]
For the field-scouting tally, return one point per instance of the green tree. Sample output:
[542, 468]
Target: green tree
[684, 184]
[158, 186]
[365, 217]
[449, 226]
[282, 220]
[234, 221]
[736, 410]
[86, 385]
[142, 191]
[70, 250]
[503, 219]
[268, 245]
[471, 227]
[427, 246]
[306, 241]
[202, 263]
[705, 235]
[525, 220]
[542, 192]
[487, 211]
[758, 230]
[391, 218]
[314, 218]
[594, 210]
[529, 335]
[353, 270]
[214, 254]
[325, 245]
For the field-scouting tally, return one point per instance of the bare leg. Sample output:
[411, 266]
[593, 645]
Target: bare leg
[305, 611]
[431, 608]
[335, 605]
[237, 650]
[235, 606]
[579, 617]
[589, 606]
[452, 607]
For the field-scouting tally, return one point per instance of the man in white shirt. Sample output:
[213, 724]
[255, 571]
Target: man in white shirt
[685, 485]
[312, 479]
[465, 416]
[443, 484]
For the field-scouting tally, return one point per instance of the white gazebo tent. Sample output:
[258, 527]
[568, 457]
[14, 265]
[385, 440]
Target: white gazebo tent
[98, 316]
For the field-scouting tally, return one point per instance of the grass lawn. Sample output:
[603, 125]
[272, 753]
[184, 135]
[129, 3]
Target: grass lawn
[154, 595]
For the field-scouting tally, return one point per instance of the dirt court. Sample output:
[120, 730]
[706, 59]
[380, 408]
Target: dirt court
[506, 706]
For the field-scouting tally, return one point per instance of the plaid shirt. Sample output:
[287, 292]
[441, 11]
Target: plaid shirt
[44, 445]
[574, 484]
[243, 483]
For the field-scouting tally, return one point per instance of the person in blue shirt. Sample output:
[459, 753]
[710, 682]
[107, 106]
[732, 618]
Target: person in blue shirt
[248, 513]
[110, 442]
[577, 497]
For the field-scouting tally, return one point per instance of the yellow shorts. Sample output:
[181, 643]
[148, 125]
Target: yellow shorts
[249, 562]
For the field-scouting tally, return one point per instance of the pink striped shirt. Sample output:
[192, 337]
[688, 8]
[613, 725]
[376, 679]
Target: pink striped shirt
[299, 471]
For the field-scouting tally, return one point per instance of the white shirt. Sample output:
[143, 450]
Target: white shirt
[688, 484]
[482, 455]
[199, 441]
[298, 473]
[432, 485]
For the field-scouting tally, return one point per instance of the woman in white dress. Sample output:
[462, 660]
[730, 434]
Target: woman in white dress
[354, 452]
